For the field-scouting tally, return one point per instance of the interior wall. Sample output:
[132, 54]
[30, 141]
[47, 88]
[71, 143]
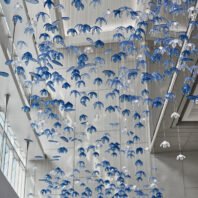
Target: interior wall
[6, 190]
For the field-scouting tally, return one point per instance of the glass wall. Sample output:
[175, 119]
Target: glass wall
[11, 160]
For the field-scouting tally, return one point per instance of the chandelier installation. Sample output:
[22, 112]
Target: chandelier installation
[87, 83]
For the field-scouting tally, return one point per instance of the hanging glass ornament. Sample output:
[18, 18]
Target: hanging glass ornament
[175, 115]
[88, 50]
[165, 144]
[192, 12]
[108, 12]
[17, 8]
[181, 157]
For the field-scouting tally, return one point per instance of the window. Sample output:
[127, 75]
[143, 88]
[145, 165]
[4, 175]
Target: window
[0, 144]
[13, 172]
[17, 176]
[6, 155]
[11, 160]
[21, 181]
